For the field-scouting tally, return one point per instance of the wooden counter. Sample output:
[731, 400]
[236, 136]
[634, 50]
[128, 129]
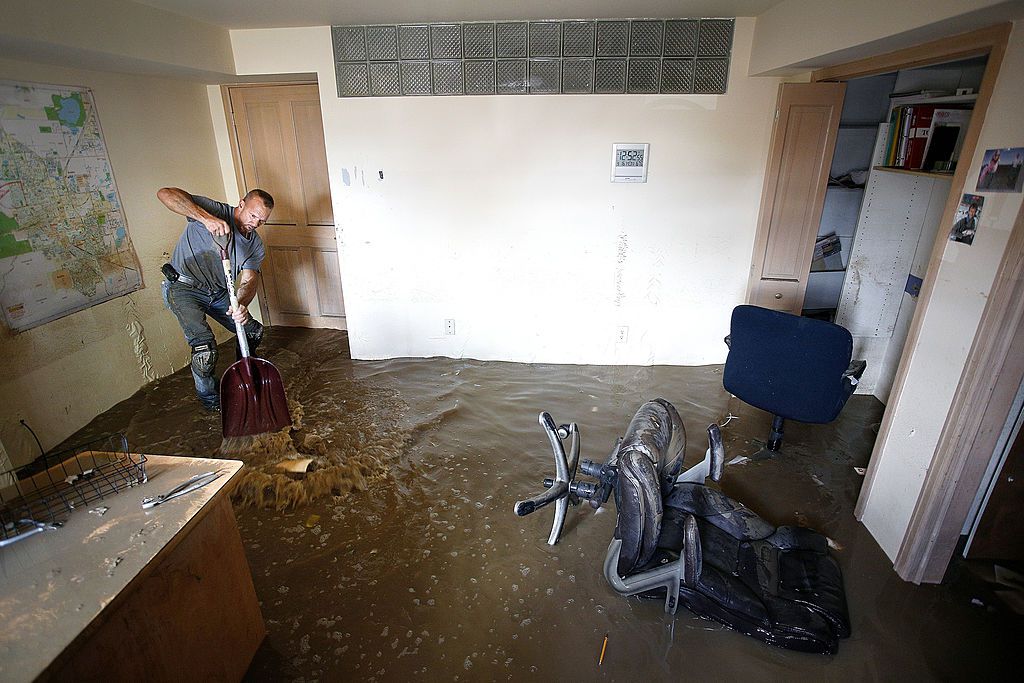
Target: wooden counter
[133, 594]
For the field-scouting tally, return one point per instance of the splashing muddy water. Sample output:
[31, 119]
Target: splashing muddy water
[419, 568]
[296, 465]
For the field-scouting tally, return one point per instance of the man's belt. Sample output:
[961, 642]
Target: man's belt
[192, 282]
[172, 275]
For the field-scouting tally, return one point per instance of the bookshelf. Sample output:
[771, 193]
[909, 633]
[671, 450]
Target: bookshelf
[917, 98]
[896, 169]
[925, 131]
[876, 207]
[897, 224]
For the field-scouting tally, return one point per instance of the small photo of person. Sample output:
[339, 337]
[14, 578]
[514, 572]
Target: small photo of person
[1000, 170]
[968, 215]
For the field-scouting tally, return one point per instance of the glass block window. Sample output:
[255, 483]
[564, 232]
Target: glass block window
[686, 56]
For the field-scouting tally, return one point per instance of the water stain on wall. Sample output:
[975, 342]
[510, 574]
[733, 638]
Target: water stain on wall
[137, 333]
[621, 254]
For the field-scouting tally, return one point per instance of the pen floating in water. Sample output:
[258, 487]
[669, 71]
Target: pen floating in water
[604, 646]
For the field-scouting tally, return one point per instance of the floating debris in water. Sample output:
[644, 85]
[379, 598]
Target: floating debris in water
[112, 564]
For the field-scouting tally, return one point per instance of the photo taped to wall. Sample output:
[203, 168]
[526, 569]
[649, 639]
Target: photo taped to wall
[1000, 170]
[967, 218]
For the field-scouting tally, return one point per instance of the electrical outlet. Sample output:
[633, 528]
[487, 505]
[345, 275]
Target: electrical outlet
[449, 326]
[623, 335]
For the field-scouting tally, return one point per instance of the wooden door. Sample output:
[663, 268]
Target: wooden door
[799, 157]
[279, 139]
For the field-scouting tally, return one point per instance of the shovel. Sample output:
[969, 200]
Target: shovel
[252, 396]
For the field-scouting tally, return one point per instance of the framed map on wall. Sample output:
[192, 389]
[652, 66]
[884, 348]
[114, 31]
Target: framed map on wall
[64, 243]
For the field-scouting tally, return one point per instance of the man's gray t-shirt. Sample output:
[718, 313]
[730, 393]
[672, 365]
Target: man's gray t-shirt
[197, 255]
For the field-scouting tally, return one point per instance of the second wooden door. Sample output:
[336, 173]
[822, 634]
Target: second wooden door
[279, 138]
[803, 140]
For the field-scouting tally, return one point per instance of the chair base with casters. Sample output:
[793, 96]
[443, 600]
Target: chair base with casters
[679, 540]
[792, 367]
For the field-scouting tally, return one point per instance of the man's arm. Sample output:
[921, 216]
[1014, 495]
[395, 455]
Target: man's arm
[245, 292]
[180, 202]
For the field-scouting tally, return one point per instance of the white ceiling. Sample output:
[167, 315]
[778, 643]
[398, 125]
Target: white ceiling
[242, 14]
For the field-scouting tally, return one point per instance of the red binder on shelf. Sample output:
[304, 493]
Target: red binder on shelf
[917, 137]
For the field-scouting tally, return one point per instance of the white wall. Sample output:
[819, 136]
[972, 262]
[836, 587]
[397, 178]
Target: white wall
[60, 375]
[963, 282]
[498, 212]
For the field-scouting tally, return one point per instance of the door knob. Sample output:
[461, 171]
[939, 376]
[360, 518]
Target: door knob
[778, 295]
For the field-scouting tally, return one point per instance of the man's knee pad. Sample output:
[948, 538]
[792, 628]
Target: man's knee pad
[204, 359]
[253, 333]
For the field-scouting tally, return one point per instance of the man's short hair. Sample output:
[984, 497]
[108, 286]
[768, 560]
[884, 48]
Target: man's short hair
[262, 195]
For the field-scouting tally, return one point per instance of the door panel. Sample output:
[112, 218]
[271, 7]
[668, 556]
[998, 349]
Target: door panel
[266, 140]
[288, 235]
[309, 140]
[288, 280]
[779, 295]
[328, 272]
[803, 141]
[280, 144]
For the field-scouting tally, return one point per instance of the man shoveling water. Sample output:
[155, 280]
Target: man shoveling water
[195, 285]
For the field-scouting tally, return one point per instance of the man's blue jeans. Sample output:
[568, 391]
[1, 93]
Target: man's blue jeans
[190, 305]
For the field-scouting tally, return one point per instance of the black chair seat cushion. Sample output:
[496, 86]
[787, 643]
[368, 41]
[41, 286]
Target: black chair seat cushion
[778, 585]
[788, 365]
[715, 507]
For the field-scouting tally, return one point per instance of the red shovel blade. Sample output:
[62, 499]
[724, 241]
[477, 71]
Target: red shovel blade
[252, 399]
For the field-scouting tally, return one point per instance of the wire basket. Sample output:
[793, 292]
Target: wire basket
[33, 499]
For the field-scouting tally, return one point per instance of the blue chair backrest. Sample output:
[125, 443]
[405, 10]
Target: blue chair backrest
[788, 365]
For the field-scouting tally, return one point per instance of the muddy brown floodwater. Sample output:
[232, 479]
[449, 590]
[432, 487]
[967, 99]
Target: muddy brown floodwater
[419, 568]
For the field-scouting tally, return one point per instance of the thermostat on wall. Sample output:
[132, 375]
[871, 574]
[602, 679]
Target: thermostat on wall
[629, 162]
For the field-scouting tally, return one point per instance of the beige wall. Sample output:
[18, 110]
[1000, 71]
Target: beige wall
[60, 375]
[498, 212]
[116, 35]
[799, 34]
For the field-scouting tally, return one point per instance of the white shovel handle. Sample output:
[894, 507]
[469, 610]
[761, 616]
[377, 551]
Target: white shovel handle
[243, 341]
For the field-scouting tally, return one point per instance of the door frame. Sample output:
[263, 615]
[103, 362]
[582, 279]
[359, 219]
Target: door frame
[236, 155]
[967, 438]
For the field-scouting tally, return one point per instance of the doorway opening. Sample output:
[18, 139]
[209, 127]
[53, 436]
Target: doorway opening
[899, 140]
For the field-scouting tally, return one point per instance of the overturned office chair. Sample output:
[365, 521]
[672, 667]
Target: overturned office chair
[792, 367]
[679, 539]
